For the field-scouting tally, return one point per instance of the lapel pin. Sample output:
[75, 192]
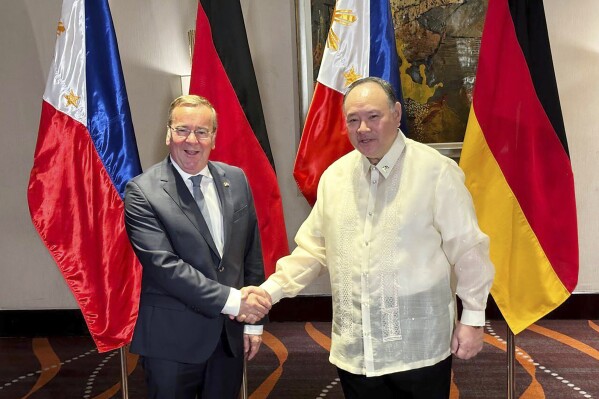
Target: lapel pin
[226, 184]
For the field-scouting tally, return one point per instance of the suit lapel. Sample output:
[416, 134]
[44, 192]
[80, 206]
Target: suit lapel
[174, 186]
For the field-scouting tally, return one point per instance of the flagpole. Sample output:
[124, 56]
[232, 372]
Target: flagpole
[244, 382]
[511, 351]
[124, 385]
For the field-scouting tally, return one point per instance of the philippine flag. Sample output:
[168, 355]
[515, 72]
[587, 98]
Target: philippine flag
[361, 43]
[85, 154]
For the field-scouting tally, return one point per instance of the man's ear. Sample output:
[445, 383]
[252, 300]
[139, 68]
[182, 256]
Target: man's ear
[397, 112]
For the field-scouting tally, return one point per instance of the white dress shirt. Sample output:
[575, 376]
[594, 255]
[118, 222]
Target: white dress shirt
[216, 227]
[391, 235]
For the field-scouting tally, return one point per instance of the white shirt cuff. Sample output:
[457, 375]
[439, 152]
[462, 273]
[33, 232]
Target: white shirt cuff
[233, 303]
[273, 289]
[253, 330]
[473, 317]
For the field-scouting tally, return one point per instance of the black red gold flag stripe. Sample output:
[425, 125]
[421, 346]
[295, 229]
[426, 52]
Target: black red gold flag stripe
[231, 43]
[517, 166]
[222, 72]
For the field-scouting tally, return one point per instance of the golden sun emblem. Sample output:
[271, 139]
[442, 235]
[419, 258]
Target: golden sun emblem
[343, 17]
[60, 29]
[351, 76]
[72, 99]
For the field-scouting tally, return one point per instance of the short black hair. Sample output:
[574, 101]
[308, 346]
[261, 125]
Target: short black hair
[386, 86]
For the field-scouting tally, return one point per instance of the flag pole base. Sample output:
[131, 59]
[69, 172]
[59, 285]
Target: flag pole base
[244, 382]
[124, 385]
[511, 352]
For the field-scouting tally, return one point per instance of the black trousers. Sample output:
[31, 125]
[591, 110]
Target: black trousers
[432, 382]
[218, 378]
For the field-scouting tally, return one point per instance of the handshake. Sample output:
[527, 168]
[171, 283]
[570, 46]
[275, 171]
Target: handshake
[255, 304]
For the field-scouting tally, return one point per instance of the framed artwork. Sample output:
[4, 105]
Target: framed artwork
[437, 42]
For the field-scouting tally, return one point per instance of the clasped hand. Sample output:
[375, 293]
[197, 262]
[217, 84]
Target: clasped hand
[255, 304]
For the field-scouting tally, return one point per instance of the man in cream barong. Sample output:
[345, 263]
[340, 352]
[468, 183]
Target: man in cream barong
[392, 223]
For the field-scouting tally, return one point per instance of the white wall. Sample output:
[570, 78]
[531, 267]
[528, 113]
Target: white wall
[27, 34]
[152, 36]
[574, 37]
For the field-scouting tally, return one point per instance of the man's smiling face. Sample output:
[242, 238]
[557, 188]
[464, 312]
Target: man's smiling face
[191, 153]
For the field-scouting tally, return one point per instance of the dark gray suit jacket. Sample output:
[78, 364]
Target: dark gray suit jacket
[185, 283]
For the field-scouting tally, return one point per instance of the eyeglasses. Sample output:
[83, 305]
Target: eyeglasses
[201, 134]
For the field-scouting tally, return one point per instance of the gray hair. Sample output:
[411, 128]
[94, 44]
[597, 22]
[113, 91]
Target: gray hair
[192, 101]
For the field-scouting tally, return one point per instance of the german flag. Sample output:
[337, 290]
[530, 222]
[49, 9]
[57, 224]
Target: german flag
[515, 157]
[222, 71]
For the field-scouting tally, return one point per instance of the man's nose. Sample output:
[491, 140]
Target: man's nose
[363, 127]
[192, 138]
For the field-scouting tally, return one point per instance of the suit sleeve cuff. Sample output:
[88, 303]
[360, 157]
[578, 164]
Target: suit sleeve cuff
[233, 303]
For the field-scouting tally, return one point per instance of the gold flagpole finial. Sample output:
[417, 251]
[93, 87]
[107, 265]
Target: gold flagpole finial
[191, 36]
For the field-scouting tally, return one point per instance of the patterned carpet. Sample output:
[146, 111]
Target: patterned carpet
[556, 359]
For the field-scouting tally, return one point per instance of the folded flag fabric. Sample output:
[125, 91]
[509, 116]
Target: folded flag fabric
[222, 71]
[85, 154]
[517, 166]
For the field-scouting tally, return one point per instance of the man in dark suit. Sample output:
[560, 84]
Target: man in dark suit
[193, 226]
